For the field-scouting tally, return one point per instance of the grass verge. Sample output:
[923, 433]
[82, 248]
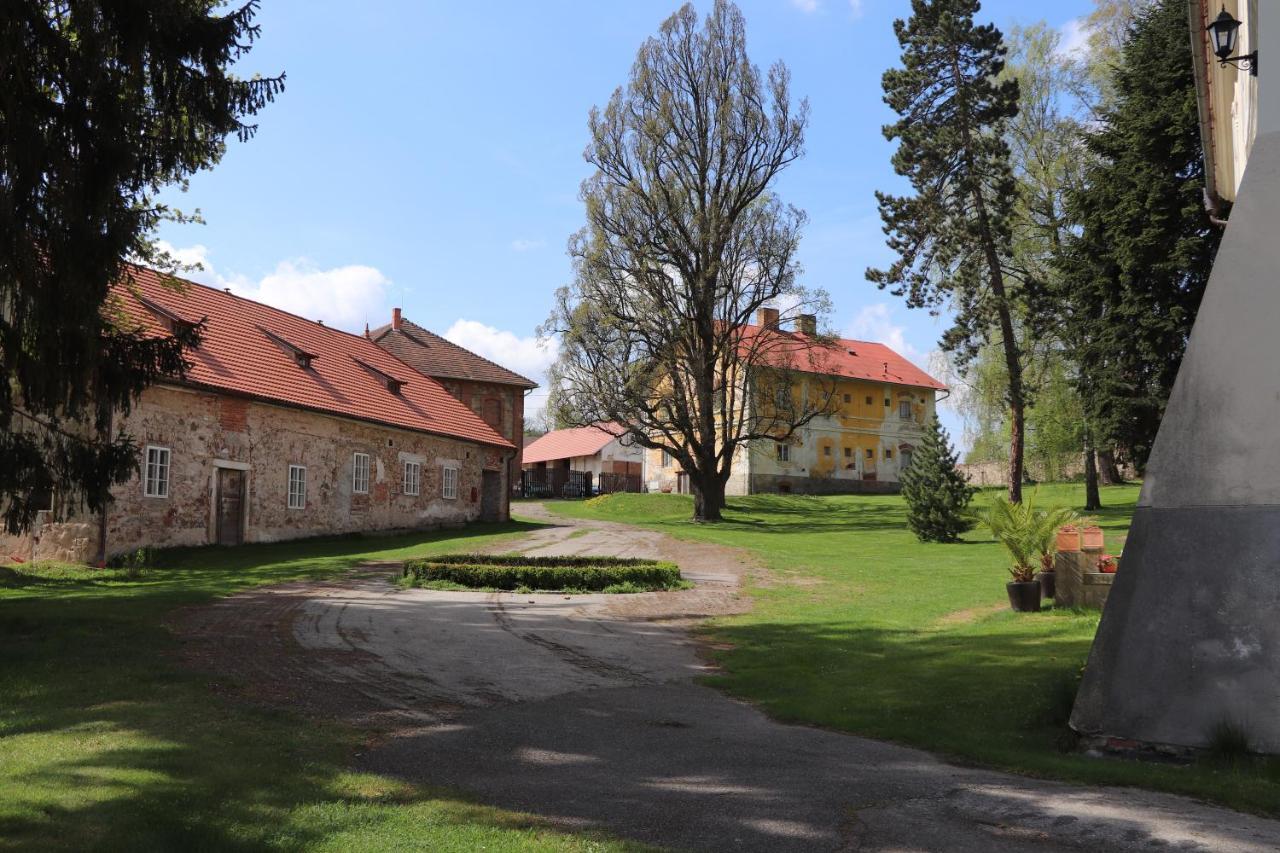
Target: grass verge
[106, 743]
[862, 628]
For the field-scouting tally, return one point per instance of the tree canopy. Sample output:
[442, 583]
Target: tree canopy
[103, 103]
[685, 241]
[1135, 263]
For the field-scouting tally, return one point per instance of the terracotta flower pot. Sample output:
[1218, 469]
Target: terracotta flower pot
[1093, 538]
[1069, 538]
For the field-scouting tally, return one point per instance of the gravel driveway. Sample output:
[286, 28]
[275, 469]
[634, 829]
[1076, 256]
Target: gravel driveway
[586, 711]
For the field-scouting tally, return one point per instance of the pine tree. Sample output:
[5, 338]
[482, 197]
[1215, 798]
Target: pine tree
[937, 494]
[1138, 256]
[103, 103]
[954, 236]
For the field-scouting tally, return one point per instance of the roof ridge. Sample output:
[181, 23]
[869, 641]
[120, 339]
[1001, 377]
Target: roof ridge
[488, 361]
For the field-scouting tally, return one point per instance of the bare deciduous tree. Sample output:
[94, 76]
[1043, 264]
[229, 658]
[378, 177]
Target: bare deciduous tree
[685, 241]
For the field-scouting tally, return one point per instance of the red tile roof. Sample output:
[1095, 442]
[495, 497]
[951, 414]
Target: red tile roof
[842, 357]
[567, 443]
[435, 356]
[253, 349]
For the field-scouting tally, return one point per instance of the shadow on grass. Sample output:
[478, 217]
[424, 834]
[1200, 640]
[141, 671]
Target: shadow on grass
[987, 693]
[105, 743]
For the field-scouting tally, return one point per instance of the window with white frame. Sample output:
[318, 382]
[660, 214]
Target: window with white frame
[784, 452]
[297, 487]
[360, 473]
[449, 484]
[904, 409]
[412, 478]
[156, 475]
[666, 459]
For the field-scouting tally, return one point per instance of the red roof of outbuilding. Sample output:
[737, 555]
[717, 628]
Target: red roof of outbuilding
[567, 443]
[251, 349]
[842, 357]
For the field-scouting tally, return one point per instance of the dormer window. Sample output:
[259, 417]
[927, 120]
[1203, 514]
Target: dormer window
[174, 323]
[391, 383]
[300, 356]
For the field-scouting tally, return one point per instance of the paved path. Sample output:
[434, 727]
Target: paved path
[586, 710]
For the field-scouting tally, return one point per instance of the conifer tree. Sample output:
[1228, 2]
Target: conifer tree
[937, 494]
[103, 103]
[1138, 257]
[953, 236]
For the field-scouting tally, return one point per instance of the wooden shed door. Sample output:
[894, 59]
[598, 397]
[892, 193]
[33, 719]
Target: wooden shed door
[230, 506]
[491, 496]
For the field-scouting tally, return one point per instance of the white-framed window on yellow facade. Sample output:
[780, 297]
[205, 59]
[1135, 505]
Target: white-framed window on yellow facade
[666, 459]
[904, 409]
[783, 451]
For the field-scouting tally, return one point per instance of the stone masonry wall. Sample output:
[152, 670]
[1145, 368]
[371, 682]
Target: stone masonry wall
[201, 428]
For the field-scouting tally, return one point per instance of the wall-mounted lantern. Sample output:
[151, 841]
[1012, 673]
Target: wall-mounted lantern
[1224, 31]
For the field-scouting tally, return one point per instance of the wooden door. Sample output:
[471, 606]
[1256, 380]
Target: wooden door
[230, 506]
[491, 496]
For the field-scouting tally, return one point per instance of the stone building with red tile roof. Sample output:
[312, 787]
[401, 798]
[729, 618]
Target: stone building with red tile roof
[882, 405]
[490, 390]
[281, 428]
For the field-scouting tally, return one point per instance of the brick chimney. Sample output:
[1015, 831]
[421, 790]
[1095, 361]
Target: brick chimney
[807, 324]
[767, 318]
[395, 318]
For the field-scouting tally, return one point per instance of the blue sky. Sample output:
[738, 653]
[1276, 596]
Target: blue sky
[428, 155]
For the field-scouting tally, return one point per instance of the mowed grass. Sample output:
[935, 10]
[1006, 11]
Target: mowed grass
[106, 743]
[862, 628]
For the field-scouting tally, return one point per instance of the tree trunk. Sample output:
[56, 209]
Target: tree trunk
[1107, 469]
[1092, 499]
[708, 497]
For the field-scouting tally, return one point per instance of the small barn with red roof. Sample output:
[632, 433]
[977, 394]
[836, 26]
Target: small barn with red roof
[281, 428]
[599, 455]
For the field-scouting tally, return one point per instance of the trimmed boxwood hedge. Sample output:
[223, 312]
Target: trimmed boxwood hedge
[488, 571]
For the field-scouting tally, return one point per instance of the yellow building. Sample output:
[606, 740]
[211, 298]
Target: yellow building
[882, 403]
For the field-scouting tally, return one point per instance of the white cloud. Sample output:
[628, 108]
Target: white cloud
[529, 356]
[855, 8]
[523, 245]
[1074, 38]
[806, 6]
[343, 297]
[875, 323]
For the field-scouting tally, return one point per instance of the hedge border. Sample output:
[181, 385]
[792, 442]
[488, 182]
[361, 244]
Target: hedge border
[544, 573]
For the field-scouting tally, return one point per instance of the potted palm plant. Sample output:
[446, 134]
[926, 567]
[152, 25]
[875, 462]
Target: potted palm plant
[1030, 537]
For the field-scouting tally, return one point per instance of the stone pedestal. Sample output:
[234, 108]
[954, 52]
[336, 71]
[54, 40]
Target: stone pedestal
[1079, 582]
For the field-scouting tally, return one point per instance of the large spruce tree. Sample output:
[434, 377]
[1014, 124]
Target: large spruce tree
[1136, 261]
[937, 494]
[103, 103]
[953, 237]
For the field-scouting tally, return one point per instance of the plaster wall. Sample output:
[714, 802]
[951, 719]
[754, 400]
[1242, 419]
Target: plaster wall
[861, 443]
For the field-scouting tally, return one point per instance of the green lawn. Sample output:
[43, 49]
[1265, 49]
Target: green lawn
[106, 743]
[863, 628]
